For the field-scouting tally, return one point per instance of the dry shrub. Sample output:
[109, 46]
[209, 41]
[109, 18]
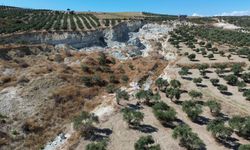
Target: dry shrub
[5, 79]
[4, 138]
[31, 126]
[24, 64]
[73, 93]
[90, 105]
[90, 61]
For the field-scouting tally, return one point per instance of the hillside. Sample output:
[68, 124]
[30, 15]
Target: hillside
[123, 81]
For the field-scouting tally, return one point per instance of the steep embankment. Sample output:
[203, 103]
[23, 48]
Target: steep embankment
[77, 39]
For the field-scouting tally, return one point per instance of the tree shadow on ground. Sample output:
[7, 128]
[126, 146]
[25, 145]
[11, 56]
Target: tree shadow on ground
[247, 137]
[135, 106]
[212, 59]
[227, 71]
[230, 142]
[202, 85]
[184, 91]
[100, 134]
[201, 120]
[206, 77]
[224, 117]
[178, 102]
[187, 78]
[172, 124]
[145, 128]
[209, 71]
[227, 93]
[221, 75]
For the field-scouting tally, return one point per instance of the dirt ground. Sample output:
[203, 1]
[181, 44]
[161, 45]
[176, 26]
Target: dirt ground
[123, 138]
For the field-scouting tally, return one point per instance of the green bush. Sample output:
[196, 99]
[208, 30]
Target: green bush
[197, 80]
[110, 88]
[215, 107]
[214, 81]
[192, 109]
[132, 117]
[97, 145]
[192, 57]
[173, 93]
[125, 78]
[121, 94]
[164, 113]
[146, 143]
[231, 79]
[244, 147]
[218, 129]
[148, 96]
[241, 125]
[187, 138]
[247, 94]
[195, 94]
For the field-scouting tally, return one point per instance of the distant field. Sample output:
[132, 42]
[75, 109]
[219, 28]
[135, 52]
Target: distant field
[13, 19]
[17, 19]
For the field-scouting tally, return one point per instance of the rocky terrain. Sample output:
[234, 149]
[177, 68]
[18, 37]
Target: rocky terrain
[54, 85]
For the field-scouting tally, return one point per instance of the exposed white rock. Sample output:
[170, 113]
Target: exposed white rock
[225, 25]
[11, 101]
[57, 142]
[8, 71]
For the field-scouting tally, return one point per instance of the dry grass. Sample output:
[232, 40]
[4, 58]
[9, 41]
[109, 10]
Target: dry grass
[70, 96]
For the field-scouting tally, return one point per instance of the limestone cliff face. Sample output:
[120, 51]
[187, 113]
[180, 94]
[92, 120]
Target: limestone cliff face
[76, 39]
[120, 33]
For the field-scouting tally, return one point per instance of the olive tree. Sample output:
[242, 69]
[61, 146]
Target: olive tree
[214, 107]
[241, 125]
[195, 94]
[231, 79]
[244, 147]
[146, 143]
[210, 56]
[236, 69]
[241, 86]
[184, 71]
[246, 77]
[192, 109]
[101, 145]
[247, 94]
[187, 138]
[202, 68]
[173, 93]
[220, 68]
[197, 80]
[132, 117]
[214, 81]
[192, 57]
[85, 124]
[175, 83]
[164, 113]
[121, 94]
[148, 96]
[218, 129]
[222, 88]
[161, 84]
